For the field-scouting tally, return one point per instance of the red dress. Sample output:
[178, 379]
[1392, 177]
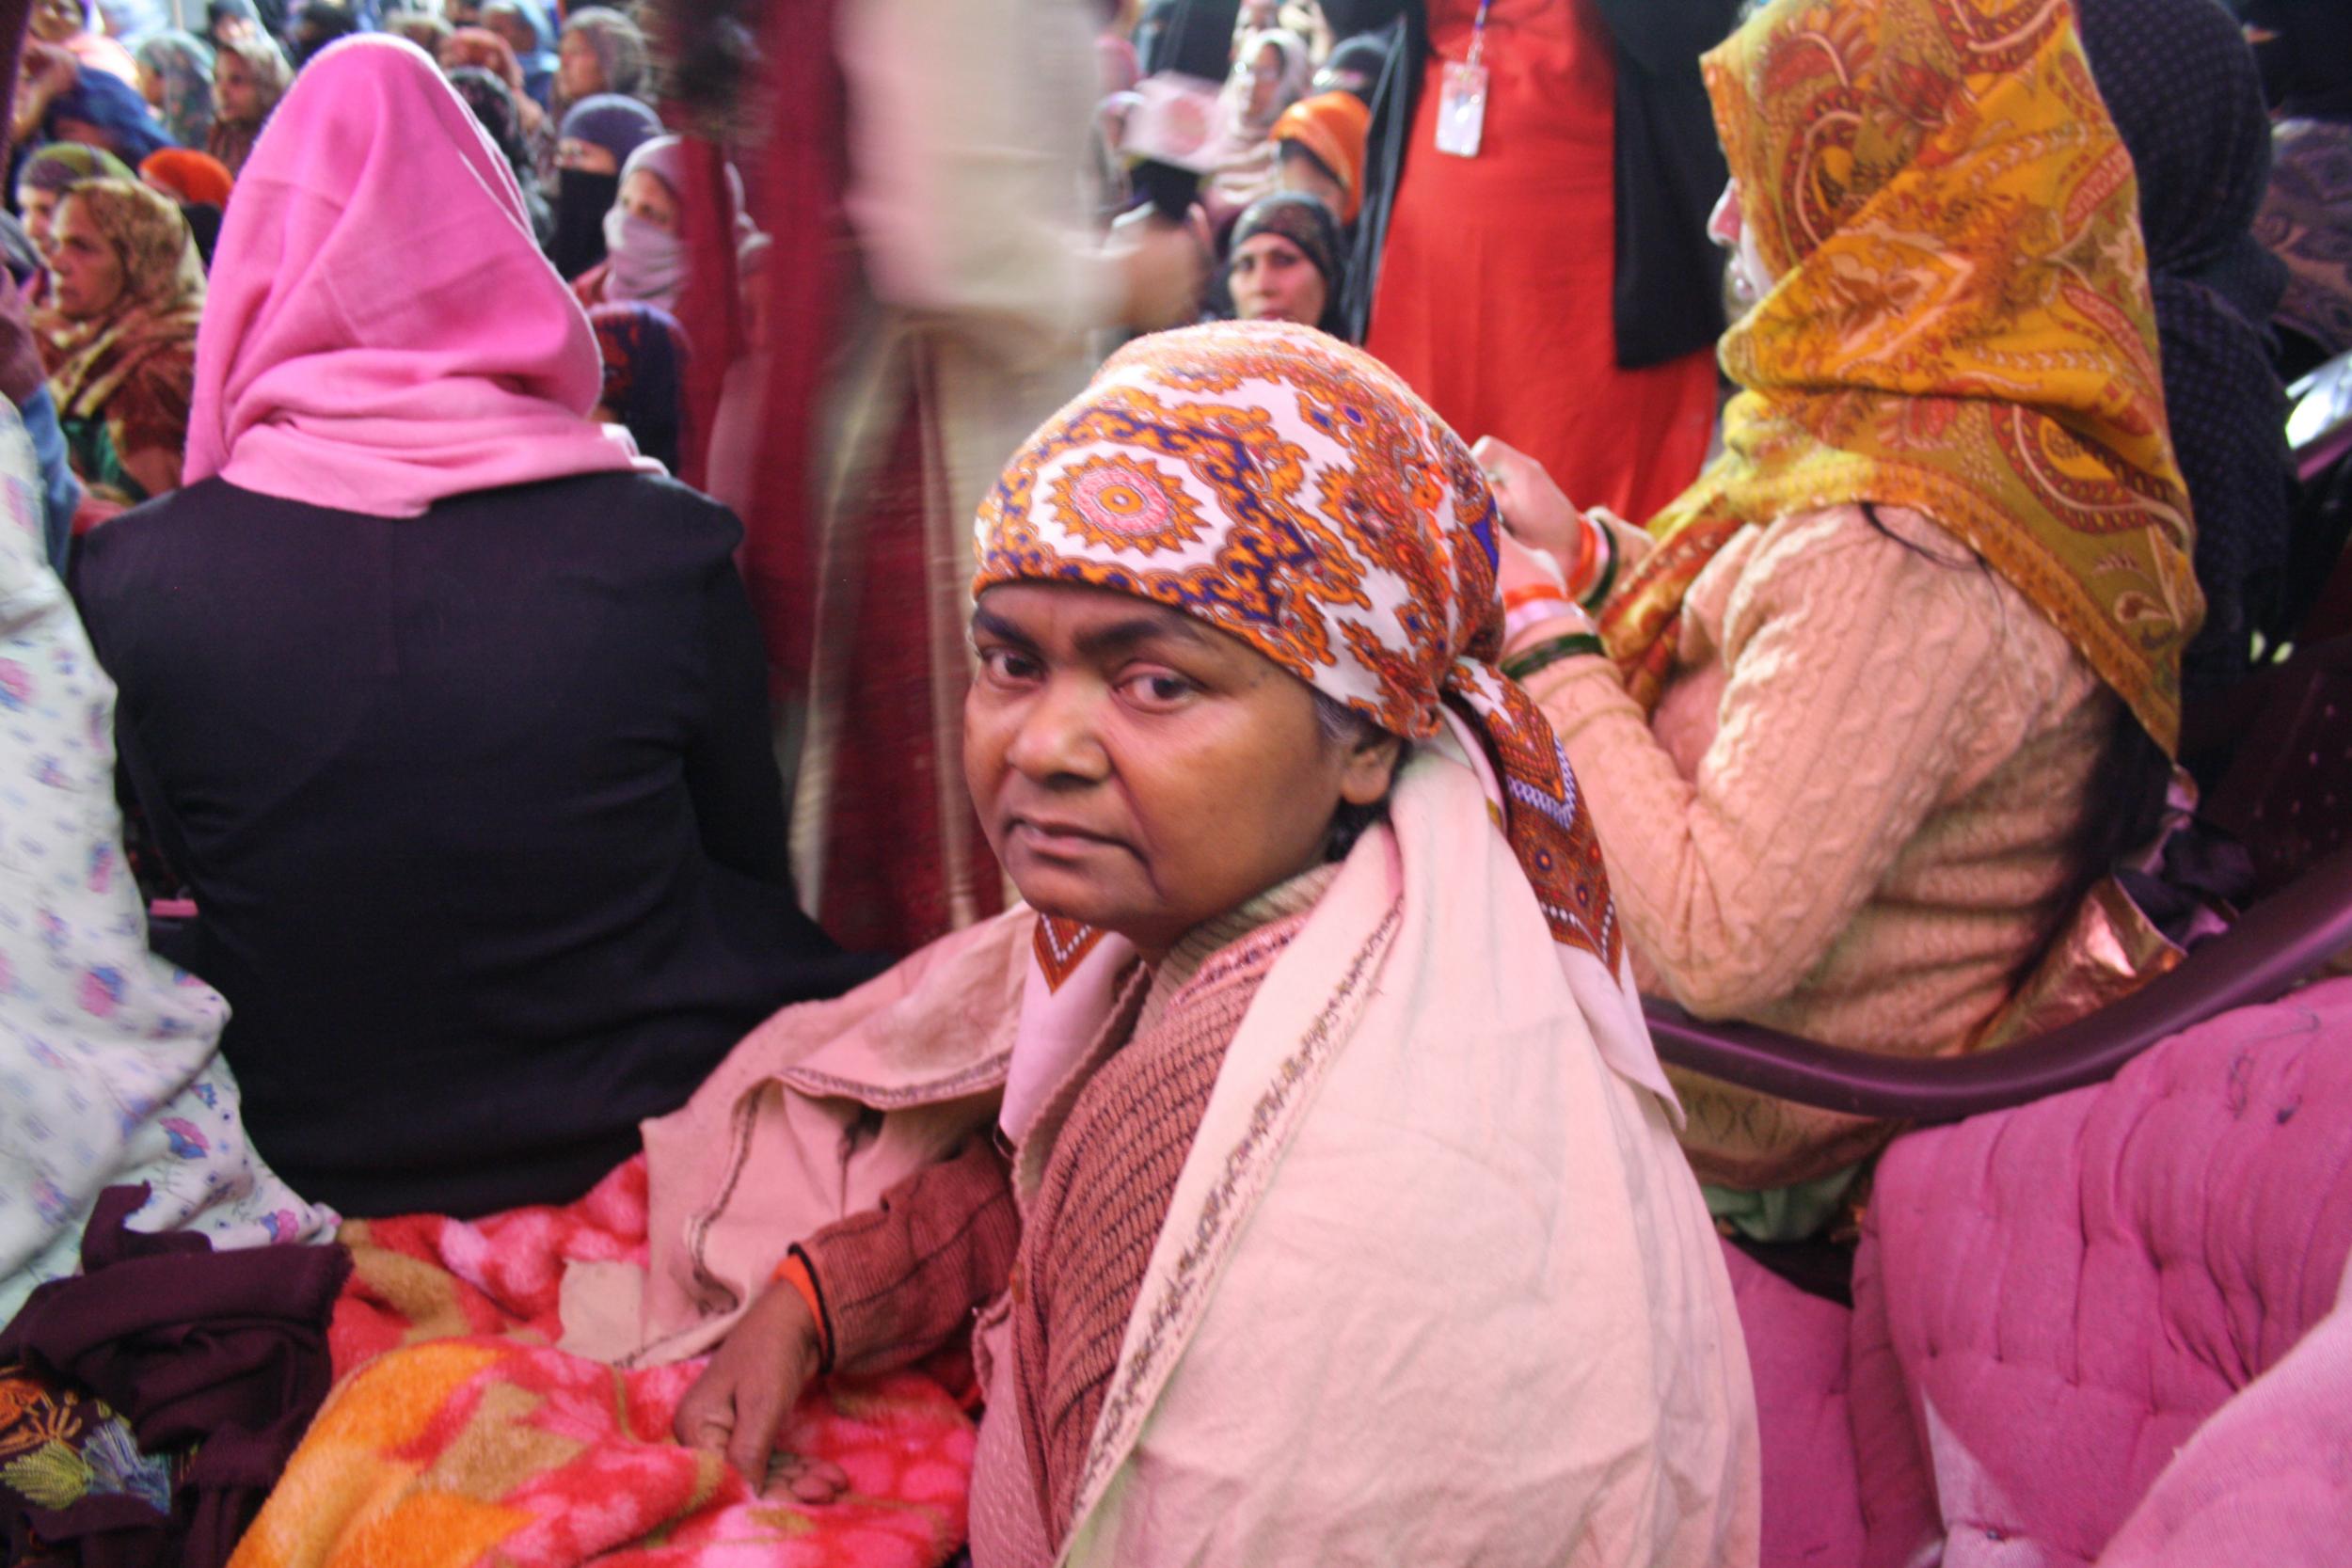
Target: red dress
[1496, 293]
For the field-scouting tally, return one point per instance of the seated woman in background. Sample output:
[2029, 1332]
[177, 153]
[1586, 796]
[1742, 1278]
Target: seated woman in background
[1270, 73]
[454, 724]
[176, 79]
[1895, 680]
[1319, 143]
[1327, 1037]
[600, 51]
[597, 137]
[42, 183]
[644, 377]
[118, 336]
[1285, 262]
[250, 76]
[59, 100]
[645, 254]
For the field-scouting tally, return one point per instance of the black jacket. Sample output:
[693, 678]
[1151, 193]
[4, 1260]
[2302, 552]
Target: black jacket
[1669, 171]
[479, 812]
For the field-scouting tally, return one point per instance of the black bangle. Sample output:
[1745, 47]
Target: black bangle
[1552, 651]
[1599, 595]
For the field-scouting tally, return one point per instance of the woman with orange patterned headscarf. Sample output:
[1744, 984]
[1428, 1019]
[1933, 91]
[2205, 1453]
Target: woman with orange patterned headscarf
[1872, 701]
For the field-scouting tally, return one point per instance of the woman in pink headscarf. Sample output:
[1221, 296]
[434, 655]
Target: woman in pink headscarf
[450, 712]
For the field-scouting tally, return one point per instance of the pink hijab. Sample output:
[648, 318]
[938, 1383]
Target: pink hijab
[382, 332]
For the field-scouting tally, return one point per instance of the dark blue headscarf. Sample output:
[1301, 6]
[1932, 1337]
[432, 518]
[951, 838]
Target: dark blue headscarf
[116, 108]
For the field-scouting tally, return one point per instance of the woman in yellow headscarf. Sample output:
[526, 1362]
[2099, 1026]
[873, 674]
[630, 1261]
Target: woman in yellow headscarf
[1871, 702]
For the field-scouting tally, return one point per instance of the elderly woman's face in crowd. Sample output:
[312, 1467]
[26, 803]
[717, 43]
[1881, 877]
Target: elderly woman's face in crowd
[1136, 770]
[644, 195]
[1273, 280]
[40, 208]
[85, 273]
[1265, 79]
[579, 70]
[236, 94]
[55, 20]
[585, 156]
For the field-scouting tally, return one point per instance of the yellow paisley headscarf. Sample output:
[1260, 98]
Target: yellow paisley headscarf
[1963, 325]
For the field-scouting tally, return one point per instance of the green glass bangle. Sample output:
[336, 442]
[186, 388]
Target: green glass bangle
[1608, 579]
[1552, 651]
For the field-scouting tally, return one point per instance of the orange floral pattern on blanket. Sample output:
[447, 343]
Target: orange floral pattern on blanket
[459, 1437]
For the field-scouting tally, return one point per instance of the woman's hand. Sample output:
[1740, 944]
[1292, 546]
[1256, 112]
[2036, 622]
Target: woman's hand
[1534, 508]
[740, 1403]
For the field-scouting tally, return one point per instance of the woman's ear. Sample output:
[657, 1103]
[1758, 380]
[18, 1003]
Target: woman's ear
[1371, 767]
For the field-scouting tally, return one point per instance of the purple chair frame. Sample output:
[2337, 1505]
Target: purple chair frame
[2273, 945]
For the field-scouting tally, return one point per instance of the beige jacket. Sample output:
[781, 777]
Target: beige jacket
[1851, 816]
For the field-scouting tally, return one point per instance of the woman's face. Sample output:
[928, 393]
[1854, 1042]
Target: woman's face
[585, 156]
[1750, 279]
[150, 84]
[643, 194]
[1273, 280]
[234, 92]
[55, 20]
[85, 273]
[1136, 770]
[579, 70]
[40, 208]
[1265, 80]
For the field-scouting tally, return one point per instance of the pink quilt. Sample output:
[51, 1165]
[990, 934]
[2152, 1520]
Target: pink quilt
[2111, 1327]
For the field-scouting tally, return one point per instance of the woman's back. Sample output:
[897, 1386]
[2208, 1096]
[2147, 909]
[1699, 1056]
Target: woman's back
[479, 814]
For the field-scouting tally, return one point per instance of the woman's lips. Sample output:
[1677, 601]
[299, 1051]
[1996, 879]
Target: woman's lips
[1060, 840]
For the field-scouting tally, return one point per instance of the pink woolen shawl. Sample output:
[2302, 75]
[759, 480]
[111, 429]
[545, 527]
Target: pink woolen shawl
[382, 332]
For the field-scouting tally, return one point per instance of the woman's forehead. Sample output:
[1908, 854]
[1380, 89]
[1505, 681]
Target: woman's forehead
[1090, 618]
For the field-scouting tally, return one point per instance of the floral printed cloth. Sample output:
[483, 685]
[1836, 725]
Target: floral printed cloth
[458, 1436]
[109, 1058]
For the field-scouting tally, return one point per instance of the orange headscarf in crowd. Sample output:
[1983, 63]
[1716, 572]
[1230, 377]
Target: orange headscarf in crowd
[193, 177]
[1334, 127]
[1962, 325]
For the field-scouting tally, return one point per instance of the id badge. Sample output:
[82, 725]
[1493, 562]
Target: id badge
[1461, 108]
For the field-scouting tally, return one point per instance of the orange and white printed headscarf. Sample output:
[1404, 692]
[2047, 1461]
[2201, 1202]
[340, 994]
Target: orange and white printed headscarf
[1963, 325]
[1291, 492]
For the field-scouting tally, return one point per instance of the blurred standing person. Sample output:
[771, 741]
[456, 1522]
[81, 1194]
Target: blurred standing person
[1534, 258]
[935, 282]
[176, 79]
[250, 76]
[118, 336]
[2304, 51]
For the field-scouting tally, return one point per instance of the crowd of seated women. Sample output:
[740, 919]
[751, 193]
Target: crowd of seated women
[1379, 686]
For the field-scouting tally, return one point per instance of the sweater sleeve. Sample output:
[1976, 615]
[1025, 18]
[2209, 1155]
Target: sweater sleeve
[898, 1280]
[1853, 659]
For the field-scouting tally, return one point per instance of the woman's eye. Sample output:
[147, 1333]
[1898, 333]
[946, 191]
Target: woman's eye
[1157, 689]
[1007, 666]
